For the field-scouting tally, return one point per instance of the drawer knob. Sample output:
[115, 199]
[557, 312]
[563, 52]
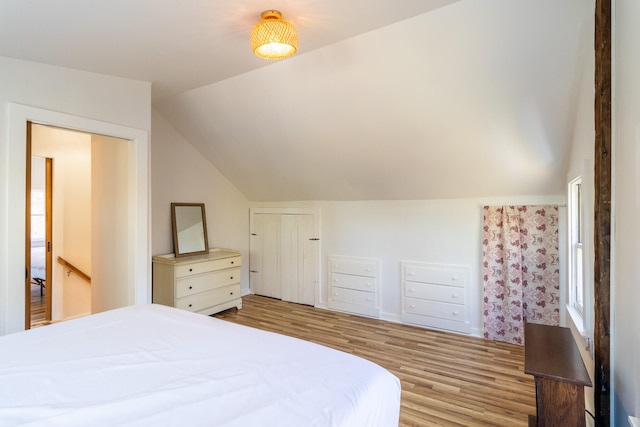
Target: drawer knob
[455, 296]
[232, 262]
[412, 306]
[190, 305]
[230, 293]
[411, 273]
[455, 313]
[412, 290]
[190, 287]
[454, 278]
[191, 269]
[369, 299]
[231, 277]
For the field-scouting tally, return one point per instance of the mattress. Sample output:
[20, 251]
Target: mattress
[149, 365]
[38, 267]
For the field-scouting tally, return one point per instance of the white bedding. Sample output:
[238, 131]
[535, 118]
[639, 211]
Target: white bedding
[38, 268]
[154, 365]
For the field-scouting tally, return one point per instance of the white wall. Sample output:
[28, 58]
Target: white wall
[76, 219]
[440, 231]
[179, 173]
[625, 284]
[111, 223]
[77, 100]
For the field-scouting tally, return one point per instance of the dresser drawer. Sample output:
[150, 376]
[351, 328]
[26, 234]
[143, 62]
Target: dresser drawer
[360, 283]
[206, 266]
[451, 277]
[202, 300]
[435, 309]
[442, 293]
[356, 267]
[204, 282]
[353, 297]
[354, 285]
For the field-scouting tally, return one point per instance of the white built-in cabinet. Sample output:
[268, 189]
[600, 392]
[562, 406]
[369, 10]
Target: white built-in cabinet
[354, 285]
[203, 284]
[284, 249]
[436, 295]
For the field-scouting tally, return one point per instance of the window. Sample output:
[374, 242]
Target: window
[576, 247]
[580, 255]
[37, 215]
[579, 293]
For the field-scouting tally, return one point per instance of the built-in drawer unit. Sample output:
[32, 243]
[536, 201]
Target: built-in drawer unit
[354, 284]
[436, 295]
[204, 284]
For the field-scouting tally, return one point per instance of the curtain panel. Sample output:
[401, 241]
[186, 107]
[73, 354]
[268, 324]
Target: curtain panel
[521, 270]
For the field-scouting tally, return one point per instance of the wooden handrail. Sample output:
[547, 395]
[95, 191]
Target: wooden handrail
[73, 268]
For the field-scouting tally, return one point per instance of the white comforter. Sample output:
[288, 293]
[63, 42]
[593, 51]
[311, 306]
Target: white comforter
[152, 365]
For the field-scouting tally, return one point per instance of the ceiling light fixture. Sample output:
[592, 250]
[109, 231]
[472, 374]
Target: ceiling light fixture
[273, 37]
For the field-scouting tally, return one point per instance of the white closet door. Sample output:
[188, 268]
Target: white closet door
[265, 255]
[297, 249]
[284, 255]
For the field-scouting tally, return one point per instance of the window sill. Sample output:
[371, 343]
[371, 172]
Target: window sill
[577, 320]
[577, 324]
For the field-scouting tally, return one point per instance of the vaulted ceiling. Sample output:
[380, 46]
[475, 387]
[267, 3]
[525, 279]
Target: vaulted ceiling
[399, 99]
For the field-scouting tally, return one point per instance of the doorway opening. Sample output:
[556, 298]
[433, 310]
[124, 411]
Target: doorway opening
[40, 230]
[61, 254]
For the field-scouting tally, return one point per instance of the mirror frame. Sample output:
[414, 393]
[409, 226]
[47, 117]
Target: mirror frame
[176, 244]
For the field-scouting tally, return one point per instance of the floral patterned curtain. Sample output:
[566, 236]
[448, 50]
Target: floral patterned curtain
[521, 270]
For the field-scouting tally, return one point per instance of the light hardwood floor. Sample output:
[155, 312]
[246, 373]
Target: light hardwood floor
[447, 379]
[38, 315]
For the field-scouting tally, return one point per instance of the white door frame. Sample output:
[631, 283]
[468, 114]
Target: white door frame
[12, 214]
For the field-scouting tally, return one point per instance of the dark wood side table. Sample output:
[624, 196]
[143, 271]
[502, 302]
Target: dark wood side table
[552, 357]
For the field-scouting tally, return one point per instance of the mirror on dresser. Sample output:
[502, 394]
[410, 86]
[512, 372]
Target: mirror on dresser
[189, 229]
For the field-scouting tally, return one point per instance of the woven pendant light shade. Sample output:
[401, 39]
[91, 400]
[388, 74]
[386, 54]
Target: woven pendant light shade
[273, 37]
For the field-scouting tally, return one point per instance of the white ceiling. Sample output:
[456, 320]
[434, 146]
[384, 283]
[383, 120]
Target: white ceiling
[181, 44]
[402, 99]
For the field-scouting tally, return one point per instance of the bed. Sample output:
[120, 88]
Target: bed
[154, 365]
[38, 266]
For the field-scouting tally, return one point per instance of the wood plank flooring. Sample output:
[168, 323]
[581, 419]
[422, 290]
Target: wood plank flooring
[38, 315]
[447, 379]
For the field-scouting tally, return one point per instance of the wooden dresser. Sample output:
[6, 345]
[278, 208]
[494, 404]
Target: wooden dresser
[203, 284]
[552, 357]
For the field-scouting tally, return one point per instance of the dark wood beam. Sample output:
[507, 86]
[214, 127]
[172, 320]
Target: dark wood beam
[602, 119]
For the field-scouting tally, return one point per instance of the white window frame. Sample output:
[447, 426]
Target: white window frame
[580, 239]
[576, 226]
[37, 214]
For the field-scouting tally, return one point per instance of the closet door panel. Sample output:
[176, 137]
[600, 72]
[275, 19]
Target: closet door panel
[310, 245]
[265, 259]
[289, 250]
[296, 250]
